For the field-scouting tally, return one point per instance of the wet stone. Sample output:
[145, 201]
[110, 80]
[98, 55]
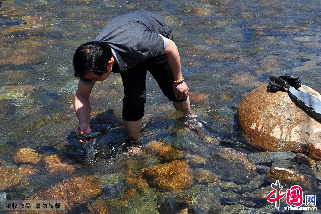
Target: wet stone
[72, 191]
[19, 92]
[6, 109]
[196, 160]
[55, 166]
[199, 97]
[245, 79]
[175, 176]
[27, 155]
[130, 193]
[292, 177]
[166, 151]
[206, 176]
[268, 157]
[259, 193]
[11, 176]
[273, 122]
[315, 150]
[98, 206]
[25, 53]
[3, 198]
[135, 181]
[205, 199]
[233, 165]
[202, 11]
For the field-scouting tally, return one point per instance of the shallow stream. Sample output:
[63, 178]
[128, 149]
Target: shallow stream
[227, 49]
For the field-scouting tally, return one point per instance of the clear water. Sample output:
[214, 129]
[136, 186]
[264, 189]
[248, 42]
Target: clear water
[227, 49]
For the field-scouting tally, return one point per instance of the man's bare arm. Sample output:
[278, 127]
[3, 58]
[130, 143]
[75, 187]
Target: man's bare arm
[173, 58]
[82, 107]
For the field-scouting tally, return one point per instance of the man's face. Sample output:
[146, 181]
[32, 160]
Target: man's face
[96, 78]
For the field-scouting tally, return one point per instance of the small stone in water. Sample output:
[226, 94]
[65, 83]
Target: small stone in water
[85, 136]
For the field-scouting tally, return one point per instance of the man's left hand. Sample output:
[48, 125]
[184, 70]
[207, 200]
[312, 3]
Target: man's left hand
[181, 91]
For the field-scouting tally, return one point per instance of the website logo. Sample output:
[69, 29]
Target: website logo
[294, 198]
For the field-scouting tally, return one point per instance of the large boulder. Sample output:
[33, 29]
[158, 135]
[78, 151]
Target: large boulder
[273, 122]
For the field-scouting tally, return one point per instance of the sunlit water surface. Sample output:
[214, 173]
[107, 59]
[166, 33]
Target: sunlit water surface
[227, 48]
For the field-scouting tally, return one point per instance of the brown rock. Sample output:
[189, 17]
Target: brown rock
[245, 79]
[291, 177]
[273, 122]
[315, 150]
[27, 155]
[130, 193]
[55, 166]
[135, 181]
[202, 11]
[167, 152]
[98, 206]
[196, 159]
[10, 176]
[171, 176]
[199, 97]
[72, 191]
[235, 166]
[206, 176]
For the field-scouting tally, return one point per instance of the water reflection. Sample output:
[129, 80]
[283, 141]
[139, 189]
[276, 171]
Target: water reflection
[227, 48]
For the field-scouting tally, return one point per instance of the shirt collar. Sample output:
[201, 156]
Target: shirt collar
[122, 65]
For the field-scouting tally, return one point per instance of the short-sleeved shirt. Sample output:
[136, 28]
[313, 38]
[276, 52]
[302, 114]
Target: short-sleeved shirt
[135, 37]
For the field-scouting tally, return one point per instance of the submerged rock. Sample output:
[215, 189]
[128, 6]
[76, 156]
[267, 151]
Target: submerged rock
[234, 166]
[166, 151]
[98, 206]
[273, 122]
[55, 166]
[174, 176]
[293, 177]
[72, 191]
[27, 155]
[137, 181]
[10, 176]
[206, 176]
[199, 97]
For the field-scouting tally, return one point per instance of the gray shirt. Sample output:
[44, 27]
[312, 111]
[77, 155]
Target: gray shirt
[135, 37]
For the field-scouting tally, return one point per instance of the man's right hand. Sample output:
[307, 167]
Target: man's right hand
[83, 128]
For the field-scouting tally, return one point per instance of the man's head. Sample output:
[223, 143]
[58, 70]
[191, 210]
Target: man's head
[92, 57]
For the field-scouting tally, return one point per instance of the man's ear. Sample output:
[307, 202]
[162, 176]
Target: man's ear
[110, 65]
[111, 62]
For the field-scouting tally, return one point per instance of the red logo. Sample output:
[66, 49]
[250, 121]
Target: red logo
[294, 198]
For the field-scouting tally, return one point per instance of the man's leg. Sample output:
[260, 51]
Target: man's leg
[134, 82]
[133, 128]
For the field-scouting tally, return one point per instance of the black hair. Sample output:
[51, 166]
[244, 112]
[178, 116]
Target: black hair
[91, 57]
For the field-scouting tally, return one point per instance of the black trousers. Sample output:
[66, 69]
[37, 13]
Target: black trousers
[134, 82]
